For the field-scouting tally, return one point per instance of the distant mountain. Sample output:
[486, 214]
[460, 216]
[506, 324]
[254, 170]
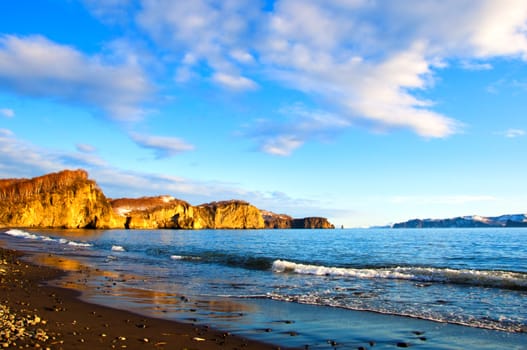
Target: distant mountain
[515, 220]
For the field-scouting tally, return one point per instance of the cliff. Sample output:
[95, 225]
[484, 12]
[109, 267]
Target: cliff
[517, 220]
[282, 221]
[312, 222]
[279, 221]
[168, 212]
[67, 199]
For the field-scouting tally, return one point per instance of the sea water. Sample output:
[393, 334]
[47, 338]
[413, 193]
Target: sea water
[476, 278]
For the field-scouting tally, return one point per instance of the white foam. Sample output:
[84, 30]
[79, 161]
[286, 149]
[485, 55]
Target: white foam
[498, 279]
[27, 235]
[22, 234]
[79, 244]
[184, 257]
[118, 248]
[287, 266]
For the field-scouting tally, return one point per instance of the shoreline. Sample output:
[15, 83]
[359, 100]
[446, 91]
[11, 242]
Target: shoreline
[86, 305]
[38, 315]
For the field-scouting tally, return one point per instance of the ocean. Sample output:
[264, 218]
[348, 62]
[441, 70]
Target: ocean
[306, 287]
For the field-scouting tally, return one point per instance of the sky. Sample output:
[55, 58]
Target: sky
[367, 112]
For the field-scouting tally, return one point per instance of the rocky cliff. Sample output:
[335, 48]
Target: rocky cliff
[282, 221]
[67, 199]
[279, 221]
[312, 222]
[168, 212]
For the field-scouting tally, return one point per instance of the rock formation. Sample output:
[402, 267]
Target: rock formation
[312, 222]
[168, 212]
[282, 221]
[69, 199]
[273, 220]
[151, 212]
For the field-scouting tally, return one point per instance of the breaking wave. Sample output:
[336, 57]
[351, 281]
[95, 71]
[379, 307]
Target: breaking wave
[184, 257]
[32, 236]
[118, 248]
[480, 278]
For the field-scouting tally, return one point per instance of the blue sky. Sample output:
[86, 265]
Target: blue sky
[366, 112]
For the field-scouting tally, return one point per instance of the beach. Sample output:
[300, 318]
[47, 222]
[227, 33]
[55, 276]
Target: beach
[37, 315]
[243, 290]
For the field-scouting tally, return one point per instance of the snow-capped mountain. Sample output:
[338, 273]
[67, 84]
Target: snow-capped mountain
[509, 220]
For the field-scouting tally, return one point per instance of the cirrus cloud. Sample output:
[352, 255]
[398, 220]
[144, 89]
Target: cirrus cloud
[370, 62]
[364, 60]
[513, 133]
[7, 112]
[162, 146]
[35, 66]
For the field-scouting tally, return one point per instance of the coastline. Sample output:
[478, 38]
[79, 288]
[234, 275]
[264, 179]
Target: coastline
[41, 316]
[79, 324]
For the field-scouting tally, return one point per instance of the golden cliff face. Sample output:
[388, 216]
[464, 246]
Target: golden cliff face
[168, 212]
[228, 214]
[67, 199]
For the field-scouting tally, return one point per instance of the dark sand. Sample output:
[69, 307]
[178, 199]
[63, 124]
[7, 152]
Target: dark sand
[36, 315]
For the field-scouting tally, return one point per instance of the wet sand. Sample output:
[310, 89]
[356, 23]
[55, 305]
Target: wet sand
[37, 315]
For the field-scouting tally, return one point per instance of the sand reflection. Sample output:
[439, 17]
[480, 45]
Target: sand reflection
[130, 292]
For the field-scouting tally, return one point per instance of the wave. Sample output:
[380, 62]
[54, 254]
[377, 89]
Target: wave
[226, 259]
[500, 324]
[32, 236]
[118, 248]
[480, 278]
[184, 257]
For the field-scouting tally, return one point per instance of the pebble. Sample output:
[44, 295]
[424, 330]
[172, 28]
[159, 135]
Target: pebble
[14, 328]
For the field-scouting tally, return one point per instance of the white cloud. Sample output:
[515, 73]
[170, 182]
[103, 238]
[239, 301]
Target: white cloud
[300, 125]
[472, 65]
[85, 148]
[19, 158]
[482, 29]
[211, 32]
[281, 145]
[499, 85]
[368, 61]
[111, 11]
[162, 146]
[242, 56]
[234, 82]
[513, 133]
[36, 66]
[5, 133]
[7, 112]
